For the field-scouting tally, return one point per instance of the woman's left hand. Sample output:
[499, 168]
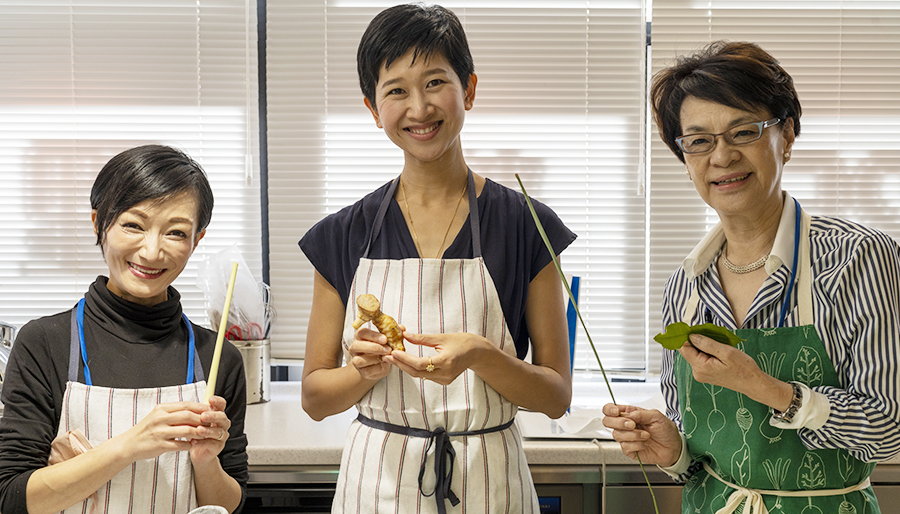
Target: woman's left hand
[212, 433]
[720, 364]
[455, 354]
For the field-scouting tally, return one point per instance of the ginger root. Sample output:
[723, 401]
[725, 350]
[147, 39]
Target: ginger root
[369, 309]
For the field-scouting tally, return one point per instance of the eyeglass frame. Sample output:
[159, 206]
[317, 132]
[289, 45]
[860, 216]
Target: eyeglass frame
[715, 137]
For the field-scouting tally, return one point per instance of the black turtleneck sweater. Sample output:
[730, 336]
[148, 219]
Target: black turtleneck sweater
[128, 346]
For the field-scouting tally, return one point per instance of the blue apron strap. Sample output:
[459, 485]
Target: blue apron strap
[87, 371]
[790, 284]
[195, 368]
[800, 262]
[76, 346]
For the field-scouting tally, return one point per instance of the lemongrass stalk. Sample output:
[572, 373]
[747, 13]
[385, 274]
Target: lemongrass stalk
[562, 277]
[220, 337]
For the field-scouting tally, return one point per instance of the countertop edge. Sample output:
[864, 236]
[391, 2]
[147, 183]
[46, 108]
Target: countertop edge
[288, 437]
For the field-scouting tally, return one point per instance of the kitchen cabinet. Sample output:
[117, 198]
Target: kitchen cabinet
[294, 463]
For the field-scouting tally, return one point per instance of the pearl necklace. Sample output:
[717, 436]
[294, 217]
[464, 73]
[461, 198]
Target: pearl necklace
[411, 224]
[747, 268]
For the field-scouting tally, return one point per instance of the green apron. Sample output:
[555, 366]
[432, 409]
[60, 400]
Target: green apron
[731, 435]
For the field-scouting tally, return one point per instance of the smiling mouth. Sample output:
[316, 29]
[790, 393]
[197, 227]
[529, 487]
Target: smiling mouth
[427, 130]
[145, 271]
[731, 180]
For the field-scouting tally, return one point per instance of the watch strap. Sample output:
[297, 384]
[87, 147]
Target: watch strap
[796, 402]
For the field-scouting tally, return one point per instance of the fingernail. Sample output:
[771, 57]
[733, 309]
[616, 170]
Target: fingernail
[615, 412]
[629, 425]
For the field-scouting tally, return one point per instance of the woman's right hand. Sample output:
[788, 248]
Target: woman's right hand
[169, 427]
[366, 352]
[643, 433]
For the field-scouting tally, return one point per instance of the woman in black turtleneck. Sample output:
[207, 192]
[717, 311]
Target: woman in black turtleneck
[126, 368]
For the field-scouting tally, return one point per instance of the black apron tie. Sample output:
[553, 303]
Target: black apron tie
[444, 454]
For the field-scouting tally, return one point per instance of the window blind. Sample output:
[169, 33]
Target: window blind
[83, 80]
[844, 57]
[559, 101]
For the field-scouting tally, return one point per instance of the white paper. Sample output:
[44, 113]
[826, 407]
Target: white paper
[586, 422]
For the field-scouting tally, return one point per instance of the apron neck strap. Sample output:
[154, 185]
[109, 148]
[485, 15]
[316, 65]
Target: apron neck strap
[474, 215]
[801, 273]
[78, 350]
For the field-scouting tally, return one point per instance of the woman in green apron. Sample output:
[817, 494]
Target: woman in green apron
[795, 417]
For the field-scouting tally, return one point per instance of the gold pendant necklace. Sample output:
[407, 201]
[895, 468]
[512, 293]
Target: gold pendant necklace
[413, 225]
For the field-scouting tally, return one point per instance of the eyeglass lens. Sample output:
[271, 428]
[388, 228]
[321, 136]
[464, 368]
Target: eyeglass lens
[740, 135]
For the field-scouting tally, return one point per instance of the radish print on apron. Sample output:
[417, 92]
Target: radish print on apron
[746, 460]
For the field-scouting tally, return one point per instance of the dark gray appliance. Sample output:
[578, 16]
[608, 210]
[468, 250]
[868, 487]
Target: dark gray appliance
[561, 489]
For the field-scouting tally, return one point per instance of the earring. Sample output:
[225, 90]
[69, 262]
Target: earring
[687, 172]
[787, 156]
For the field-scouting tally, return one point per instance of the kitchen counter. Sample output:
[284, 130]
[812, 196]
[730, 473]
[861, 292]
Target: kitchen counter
[280, 433]
[294, 460]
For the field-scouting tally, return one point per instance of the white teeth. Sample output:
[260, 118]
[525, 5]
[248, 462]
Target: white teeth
[422, 132]
[731, 180]
[144, 271]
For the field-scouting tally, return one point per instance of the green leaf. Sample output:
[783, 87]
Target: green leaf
[674, 337]
[720, 334]
[677, 334]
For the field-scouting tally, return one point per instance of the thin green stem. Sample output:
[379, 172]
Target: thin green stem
[562, 277]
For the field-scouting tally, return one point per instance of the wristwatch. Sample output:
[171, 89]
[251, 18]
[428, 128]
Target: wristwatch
[796, 401]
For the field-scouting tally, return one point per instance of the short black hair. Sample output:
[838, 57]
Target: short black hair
[737, 74]
[424, 29]
[149, 172]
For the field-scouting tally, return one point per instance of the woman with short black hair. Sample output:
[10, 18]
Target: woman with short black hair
[458, 260]
[123, 372]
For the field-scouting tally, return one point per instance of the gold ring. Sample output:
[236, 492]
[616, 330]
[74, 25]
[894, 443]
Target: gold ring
[430, 367]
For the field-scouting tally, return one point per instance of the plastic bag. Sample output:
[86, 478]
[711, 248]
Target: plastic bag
[247, 318]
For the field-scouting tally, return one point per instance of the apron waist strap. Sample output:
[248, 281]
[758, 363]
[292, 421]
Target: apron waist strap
[444, 454]
[755, 503]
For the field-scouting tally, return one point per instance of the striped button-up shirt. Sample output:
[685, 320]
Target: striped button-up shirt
[856, 301]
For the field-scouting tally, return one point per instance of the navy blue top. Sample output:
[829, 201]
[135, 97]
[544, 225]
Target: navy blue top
[513, 250]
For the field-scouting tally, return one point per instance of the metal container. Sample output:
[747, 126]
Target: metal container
[257, 368]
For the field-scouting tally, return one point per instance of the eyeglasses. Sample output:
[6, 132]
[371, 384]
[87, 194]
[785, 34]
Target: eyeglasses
[740, 135]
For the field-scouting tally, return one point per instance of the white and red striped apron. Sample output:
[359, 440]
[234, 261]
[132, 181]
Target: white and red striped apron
[383, 471]
[152, 486]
